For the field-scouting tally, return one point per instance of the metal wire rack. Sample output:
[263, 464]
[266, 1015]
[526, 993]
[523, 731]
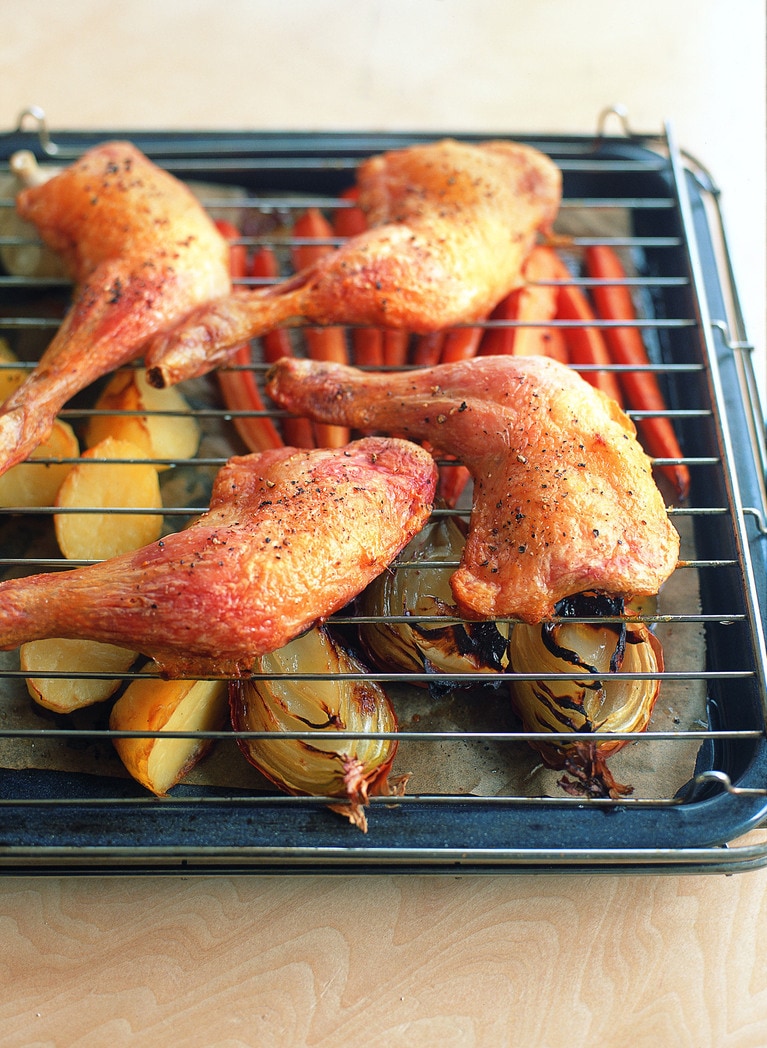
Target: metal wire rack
[479, 798]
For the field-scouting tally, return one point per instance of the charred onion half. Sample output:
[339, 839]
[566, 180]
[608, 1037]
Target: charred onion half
[352, 770]
[414, 591]
[590, 708]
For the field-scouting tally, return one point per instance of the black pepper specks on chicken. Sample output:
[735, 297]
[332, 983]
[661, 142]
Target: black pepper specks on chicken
[449, 225]
[290, 537]
[564, 501]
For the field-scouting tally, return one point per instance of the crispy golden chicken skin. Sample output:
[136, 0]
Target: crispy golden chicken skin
[142, 252]
[450, 225]
[290, 537]
[564, 500]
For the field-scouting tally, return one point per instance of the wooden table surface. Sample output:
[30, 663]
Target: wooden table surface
[546, 960]
[386, 961]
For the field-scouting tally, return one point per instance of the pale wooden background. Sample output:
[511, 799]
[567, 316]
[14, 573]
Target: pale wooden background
[555, 961]
[543, 961]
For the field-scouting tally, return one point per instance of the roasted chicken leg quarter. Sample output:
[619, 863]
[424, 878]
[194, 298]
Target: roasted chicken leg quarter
[290, 537]
[564, 501]
[449, 227]
[142, 252]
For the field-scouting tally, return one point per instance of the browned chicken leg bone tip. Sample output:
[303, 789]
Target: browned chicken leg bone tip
[564, 500]
[290, 537]
[449, 227]
[142, 252]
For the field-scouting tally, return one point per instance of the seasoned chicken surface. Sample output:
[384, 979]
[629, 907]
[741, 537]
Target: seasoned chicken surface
[290, 537]
[564, 501]
[143, 253]
[450, 225]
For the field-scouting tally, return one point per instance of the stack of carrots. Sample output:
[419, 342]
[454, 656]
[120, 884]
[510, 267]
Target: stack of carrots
[549, 316]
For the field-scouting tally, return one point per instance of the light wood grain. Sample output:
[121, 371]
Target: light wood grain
[386, 961]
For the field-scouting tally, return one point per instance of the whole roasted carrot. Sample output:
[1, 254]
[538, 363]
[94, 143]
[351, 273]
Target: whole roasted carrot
[396, 346]
[456, 344]
[442, 347]
[553, 344]
[349, 221]
[367, 343]
[499, 341]
[532, 305]
[452, 481]
[276, 343]
[238, 253]
[585, 344]
[372, 346]
[323, 343]
[461, 344]
[298, 432]
[536, 303]
[445, 347]
[367, 347]
[626, 346]
[238, 388]
[427, 349]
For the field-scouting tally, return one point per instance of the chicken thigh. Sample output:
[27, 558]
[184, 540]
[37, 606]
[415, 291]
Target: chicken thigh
[290, 537]
[450, 225]
[564, 500]
[142, 252]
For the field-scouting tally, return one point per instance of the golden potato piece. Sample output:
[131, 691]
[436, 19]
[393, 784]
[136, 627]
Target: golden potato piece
[165, 430]
[28, 485]
[10, 377]
[23, 254]
[63, 695]
[149, 704]
[96, 482]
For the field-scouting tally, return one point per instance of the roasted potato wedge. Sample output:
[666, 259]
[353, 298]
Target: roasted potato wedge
[150, 704]
[63, 695]
[29, 485]
[99, 481]
[165, 430]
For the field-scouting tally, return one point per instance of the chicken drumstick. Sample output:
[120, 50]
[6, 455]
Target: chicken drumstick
[142, 252]
[290, 537]
[564, 501]
[450, 225]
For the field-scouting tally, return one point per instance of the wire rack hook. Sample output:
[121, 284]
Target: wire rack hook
[37, 113]
[621, 112]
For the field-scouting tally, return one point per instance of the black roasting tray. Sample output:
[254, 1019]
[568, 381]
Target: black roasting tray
[52, 821]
